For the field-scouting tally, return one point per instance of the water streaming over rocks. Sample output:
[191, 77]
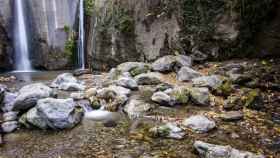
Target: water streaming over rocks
[22, 62]
[81, 55]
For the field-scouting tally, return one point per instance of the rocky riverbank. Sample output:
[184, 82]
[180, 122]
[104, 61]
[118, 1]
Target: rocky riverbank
[169, 108]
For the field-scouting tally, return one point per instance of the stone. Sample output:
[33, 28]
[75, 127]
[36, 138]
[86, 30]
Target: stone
[10, 126]
[3, 89]
[253, 99]
[161, 98]
[127, 82]
[163, 87]
[151, 78]
[9, 101]
[30, 94]
[134, 68]
[212, 82]
[63, 78]
[179, 95]
[200, 96]
[33, 119]
[183, 61]
[78, 96]
[59, 113]
[136, 108]
[81, 72]
[233, 103]
[111, 98]
[199, 123]
[10, 116]
[67, 82]
[118, 90]
[164, 64]
[71, 87]
[169, 130]
[90, 92]
[207, 150]
[232, 116]
[187, 74]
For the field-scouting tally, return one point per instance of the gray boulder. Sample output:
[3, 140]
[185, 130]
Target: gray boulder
[161, 98]
[33, 119]
[183, 61]
[199, 123]
[207, 150]
[187, 74]
[10, 126]
[10, 116]
[8, 102]
[134, 68]
[30, 94]
[212, 82]
[113, 89]
[127, 82]
[136, 108]
[232, 116]
[3, 89]
[63, 78]
[151, 78]
[170, 63]
[169, 130]
[200, 96]
[59, 113]
[71, 86]
[164, 64]
[67, 82]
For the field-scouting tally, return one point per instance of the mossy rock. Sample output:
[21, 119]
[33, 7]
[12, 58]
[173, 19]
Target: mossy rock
[181, 96]
[253, 100]
[138, 70]
[225, 89]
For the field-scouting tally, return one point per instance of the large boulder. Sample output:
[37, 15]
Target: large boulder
[200, 96]
[67, 82]
[164, 64]
[212, 82]
[169, 130]
[171, 63]
[136, 108]
[56, 113]
[3, 89]
[161, 98]
[134, 68]
[207, 150]
[30, 94]
[33, 119]
[9, 101]
[151, 78]
[187, 74]
[127, 82]
[199, 123]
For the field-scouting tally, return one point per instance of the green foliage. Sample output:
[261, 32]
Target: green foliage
[181, 96]
[123, 21]
[66, 29]
[89, 6]
[70, 47]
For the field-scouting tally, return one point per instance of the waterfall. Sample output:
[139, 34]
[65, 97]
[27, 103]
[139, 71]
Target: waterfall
[22, 62]
[81, 54]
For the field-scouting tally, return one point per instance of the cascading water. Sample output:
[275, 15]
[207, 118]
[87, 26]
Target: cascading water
[81, 54]
[22, 62]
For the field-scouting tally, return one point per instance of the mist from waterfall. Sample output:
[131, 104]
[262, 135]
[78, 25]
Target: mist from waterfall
[81, 54]
[22, 62]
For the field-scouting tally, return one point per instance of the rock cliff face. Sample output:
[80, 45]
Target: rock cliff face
[132, 30]
[50, 24]
[5, 37]
[143, 30]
